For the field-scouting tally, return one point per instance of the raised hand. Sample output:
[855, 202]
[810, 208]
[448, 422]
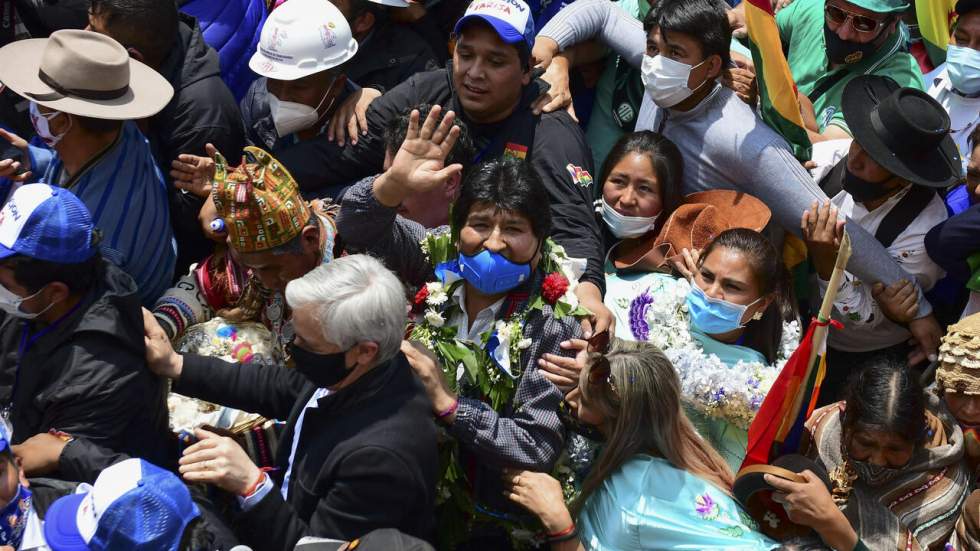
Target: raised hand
[9, 168]
[823, 232]
[420, 163]
[194, 174]
[898, 301]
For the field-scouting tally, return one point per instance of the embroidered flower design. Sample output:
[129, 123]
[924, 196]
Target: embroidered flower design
[553, 287]
[706, 507]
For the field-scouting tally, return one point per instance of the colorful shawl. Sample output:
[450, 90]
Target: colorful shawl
[915, 511]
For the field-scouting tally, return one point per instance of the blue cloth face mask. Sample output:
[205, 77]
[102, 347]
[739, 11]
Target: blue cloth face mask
[963, 65]
[714, 316]
[491, 273]
[13, 518]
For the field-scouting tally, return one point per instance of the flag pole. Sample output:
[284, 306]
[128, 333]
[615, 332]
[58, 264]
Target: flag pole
[820, 333]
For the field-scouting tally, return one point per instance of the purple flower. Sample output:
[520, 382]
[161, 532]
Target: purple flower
[753, 382]
[718, 395]
[705, 505]
[755, 402]
[638, 312]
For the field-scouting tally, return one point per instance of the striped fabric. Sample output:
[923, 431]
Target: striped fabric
[125, 192]
[935, 20]
[779, 103]
[916, 510]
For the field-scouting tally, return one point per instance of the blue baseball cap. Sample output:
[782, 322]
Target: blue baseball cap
[511, 19]
[47, 223]
[134, 505]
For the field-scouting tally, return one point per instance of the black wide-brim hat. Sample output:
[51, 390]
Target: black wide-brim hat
[903, 129]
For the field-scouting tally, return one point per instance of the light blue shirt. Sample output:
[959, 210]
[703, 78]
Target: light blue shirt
[648, 504]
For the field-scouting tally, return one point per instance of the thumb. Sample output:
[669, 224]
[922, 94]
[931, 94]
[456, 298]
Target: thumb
[202, 434]
[211, 150]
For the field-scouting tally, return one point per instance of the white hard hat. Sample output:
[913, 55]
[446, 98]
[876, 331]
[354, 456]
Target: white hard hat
[392, 3]
[302, 37]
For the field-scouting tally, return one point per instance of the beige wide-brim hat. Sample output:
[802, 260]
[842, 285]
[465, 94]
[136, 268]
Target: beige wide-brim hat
[83, 73]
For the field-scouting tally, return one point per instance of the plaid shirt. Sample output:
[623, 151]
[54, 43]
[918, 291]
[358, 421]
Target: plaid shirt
[528, 433]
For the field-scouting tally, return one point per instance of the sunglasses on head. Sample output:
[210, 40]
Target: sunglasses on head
[599, 342]
[861, 23]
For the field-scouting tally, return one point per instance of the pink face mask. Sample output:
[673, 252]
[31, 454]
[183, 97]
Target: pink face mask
[41, 123]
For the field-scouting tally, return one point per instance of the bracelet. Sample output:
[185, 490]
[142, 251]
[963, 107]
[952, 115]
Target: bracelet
[568, 533]
[255, 485]
[448, 411]
[562, 535]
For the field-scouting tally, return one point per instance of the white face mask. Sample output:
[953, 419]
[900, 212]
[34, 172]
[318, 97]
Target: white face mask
[10, 303]
[666, 80]
[623, 226]
[41, 123]
[290, 116]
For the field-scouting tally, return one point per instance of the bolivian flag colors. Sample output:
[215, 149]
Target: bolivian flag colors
[777, 91]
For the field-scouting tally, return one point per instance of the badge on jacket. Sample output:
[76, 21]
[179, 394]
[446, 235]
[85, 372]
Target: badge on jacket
[580, 176]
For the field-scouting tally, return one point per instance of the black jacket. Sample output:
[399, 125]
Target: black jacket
[202, 111]
[951, 243]
[553, 143]
[390, 55]
[366, 457]
[87, 376]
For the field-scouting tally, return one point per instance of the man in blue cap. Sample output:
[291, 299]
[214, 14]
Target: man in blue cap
[71, 332]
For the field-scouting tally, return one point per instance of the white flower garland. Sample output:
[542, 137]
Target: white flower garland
[733, 393]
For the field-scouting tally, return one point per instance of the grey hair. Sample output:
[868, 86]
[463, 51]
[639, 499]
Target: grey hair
[356, 299]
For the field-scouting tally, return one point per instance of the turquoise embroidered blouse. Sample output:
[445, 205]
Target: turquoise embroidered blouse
[650, 505]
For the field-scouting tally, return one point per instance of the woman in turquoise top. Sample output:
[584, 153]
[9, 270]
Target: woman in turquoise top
[656, 484]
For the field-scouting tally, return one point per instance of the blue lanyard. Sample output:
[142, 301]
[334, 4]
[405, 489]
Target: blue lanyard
[26, 342]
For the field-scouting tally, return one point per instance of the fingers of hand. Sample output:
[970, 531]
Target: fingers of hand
[431, 122]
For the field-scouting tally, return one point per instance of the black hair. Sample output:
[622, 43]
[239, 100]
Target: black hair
[974, 139]
[772, 277]
[886, 396]
[397, 129]
[668, 165]
[360, 7]
[150, 26]
[96, 126]
[197, 537]
[507, 184]
[523, 51]
[79, 277]
[702, 20]
[295, 245]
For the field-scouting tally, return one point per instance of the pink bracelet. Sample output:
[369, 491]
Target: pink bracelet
[449, 411]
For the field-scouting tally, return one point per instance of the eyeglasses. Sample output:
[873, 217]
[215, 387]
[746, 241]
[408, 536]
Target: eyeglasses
[861, 23]
[601, 372]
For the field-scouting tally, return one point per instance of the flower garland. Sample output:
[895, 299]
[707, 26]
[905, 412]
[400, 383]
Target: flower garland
[491, 368]
[658, 314]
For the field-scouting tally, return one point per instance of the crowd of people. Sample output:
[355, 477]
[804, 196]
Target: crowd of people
[486, 275]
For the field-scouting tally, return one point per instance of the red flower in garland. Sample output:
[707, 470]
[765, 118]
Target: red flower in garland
[421, 296]
[554, 287]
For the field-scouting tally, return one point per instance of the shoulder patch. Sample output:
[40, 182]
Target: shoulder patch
[515, 151]
[580, 176]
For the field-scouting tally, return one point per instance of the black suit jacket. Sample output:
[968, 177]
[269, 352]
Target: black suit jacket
[366, 458]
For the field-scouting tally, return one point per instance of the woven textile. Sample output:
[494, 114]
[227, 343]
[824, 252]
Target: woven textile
[259, 201]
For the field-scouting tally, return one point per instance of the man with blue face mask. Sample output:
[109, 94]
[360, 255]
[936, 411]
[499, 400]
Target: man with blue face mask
[70, 329]
[956, 83]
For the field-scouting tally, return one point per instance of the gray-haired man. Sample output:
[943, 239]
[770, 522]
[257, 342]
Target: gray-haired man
[359, 448]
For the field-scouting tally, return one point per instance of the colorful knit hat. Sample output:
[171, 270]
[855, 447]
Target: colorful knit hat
[959, 357]
[259, 202]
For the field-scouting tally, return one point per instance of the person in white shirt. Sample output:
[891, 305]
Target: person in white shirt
[901, 154]
[956, 83]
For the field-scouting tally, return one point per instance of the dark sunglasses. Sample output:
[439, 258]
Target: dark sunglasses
[861, 23]
[599, 342]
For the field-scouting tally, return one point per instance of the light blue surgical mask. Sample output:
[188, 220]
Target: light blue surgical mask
[714, 316]
[491, 273]
[963, 65]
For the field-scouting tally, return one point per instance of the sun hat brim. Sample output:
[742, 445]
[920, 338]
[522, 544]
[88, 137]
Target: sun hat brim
[148, 91]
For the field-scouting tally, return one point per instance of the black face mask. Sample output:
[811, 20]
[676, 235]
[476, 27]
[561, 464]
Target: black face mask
[862, 190]
[323, 370]
[846, 52]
